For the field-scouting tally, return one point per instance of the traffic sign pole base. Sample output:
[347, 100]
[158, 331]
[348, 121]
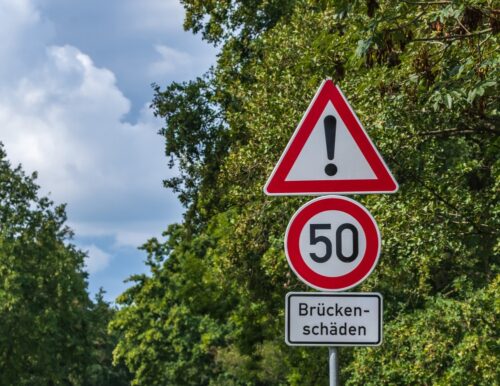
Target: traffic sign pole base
[333, 361]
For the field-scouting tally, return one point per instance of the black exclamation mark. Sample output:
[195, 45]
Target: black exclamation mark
[330, 128]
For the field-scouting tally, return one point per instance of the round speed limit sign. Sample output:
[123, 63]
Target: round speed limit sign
[332, 243]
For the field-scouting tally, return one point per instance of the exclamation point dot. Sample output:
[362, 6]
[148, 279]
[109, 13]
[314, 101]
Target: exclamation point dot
[330, 170]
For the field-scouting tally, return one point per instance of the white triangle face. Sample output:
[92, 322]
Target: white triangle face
[348, 159]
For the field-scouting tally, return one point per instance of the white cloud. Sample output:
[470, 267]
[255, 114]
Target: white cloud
[171, 61]
[132, 234]
[19, 22]
[63, 113]
[154, 15]
[16, 15]
[64, 117]
[96, 260]
[61, 120]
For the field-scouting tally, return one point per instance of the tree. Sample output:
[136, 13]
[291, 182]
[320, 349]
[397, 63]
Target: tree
[50, 331]
[422, 77]
[101, 371]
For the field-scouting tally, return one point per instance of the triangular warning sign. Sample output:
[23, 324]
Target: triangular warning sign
[330, 152]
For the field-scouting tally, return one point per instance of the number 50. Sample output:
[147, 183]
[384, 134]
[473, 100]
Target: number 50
[314, 239]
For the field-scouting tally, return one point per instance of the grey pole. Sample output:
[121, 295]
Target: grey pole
[334, 366]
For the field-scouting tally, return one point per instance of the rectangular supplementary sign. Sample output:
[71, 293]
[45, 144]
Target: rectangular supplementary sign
[333, 319]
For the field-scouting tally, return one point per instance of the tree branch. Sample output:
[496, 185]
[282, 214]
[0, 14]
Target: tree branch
[426, 2]
[448, 131]
[400, 27]
[457, 131]
[453, 37]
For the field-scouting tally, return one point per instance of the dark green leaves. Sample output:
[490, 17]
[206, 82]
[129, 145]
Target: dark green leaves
[50, 331]
[195, 137]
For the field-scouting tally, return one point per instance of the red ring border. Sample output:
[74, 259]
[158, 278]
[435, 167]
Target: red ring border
[329, 283]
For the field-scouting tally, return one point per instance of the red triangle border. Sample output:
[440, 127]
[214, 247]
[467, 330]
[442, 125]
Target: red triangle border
[277, 184]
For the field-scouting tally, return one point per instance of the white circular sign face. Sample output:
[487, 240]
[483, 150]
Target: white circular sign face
[349, 243]
[332, 243]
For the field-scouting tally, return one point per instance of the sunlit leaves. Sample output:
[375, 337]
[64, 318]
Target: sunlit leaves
[423, 79]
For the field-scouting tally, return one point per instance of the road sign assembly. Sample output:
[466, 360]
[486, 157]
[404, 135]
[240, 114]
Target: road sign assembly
[330, 152]
[327, 319]
[332, 243]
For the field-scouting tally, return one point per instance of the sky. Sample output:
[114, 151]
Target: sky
[75, 90]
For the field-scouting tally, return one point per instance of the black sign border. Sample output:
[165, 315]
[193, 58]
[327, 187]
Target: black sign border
[345, 294]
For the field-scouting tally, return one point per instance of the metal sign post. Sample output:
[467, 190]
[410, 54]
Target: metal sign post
[334, 366]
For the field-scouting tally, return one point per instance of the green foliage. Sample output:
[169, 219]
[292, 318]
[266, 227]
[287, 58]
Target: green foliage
[195, 136]
[50, 332]
[169, 313]
[43, 299]
[101, 371]
[219, 20]
[450, 342]
[423, 78]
